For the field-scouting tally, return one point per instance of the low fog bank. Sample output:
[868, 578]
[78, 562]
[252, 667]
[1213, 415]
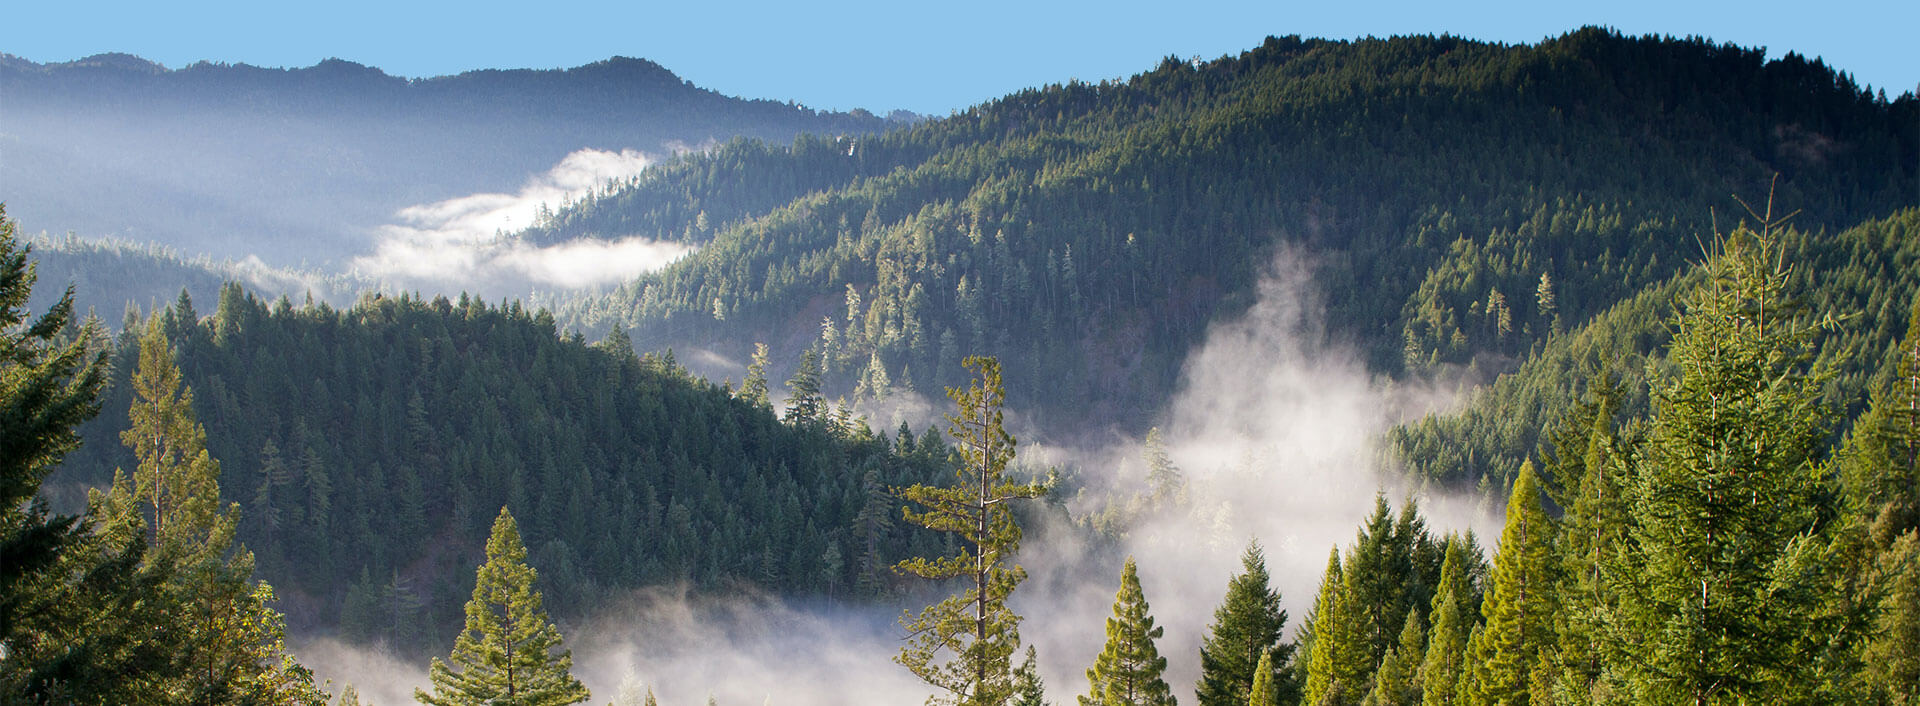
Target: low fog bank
[1275, 430]
[465, 242]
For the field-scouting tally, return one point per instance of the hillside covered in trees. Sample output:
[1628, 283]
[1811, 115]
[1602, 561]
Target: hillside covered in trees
[405, 425]
[1698, 409]
[1460, 201]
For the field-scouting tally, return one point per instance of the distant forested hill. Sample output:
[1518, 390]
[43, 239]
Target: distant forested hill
[370, 447]
[297, 164]
[1460, 201]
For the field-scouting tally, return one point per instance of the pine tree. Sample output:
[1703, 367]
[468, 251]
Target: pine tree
[976, 628]
[1892, 657]
[1453, 611]
[1520, 608]
[1725, 589]
[1128, 671]
[805, 404]
[1028, 689]
[234, 649]
[1397, 682]
[1247, 625]
[1338, 659]
[1264, 691]
[77, 623]
[754, 388]
[507, 653]
[1588, 458]
[1881, 459]
[1164, 480]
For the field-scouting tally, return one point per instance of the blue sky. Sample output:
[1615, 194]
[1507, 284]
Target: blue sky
[928, 57]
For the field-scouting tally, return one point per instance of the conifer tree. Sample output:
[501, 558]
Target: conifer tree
[1453, 611]
[1128, 671]
[1725, 589]
[1397, 682]
[976, 629]
[78, 623]
[1338, 659]
[1881, 460]
[509, 653]
[1892, 657]
[1028, 689]
[754, 388]
[1247, 625]
[233, 644]
[1264, 691]
[1520, 607]
[1882, 466]
[805, 404]
[1588, 457]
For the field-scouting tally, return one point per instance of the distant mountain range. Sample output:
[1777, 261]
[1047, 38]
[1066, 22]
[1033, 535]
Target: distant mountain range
[300, 165]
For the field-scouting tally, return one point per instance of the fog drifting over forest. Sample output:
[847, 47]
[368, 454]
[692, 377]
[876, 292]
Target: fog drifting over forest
[1275, 430]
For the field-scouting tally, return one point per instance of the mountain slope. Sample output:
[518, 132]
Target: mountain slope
[370, 446]
[1088, 233]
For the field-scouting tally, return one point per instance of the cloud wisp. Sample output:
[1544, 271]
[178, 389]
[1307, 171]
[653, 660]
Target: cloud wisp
[463, 241]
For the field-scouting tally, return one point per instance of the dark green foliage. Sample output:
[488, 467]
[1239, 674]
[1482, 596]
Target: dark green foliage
[1028, 689]
[375, 436]
[1387, 575]
[1725, 589]
[79, 619]
[1245, 633]
[1870, 270]
[1459, 198]
[1397, 683]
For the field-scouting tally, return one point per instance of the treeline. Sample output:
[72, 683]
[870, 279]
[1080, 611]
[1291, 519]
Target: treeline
[1460, 202]
[371, 445]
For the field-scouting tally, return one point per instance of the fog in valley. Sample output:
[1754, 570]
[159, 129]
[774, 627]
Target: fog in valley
[1274, 429]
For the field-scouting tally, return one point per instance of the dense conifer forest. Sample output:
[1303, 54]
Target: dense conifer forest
[1676, 284]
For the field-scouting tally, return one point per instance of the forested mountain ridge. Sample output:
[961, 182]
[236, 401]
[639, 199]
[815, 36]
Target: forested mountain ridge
[370, 446]
[298, 164]
[1459, 201]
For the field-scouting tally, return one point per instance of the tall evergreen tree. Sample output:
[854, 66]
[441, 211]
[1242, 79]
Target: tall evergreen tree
[1028, 689]
[78, 619]
[1264, 691]
[1247, 626]
[234, 643]
[754, 388]
[1725, 589]
[1453, 609]
[1337, 656]
[509, 653]
[1128, 671]
[1397, 682]
[805, 403]
[1520, 607]
[1587, 457]
[975, 628]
